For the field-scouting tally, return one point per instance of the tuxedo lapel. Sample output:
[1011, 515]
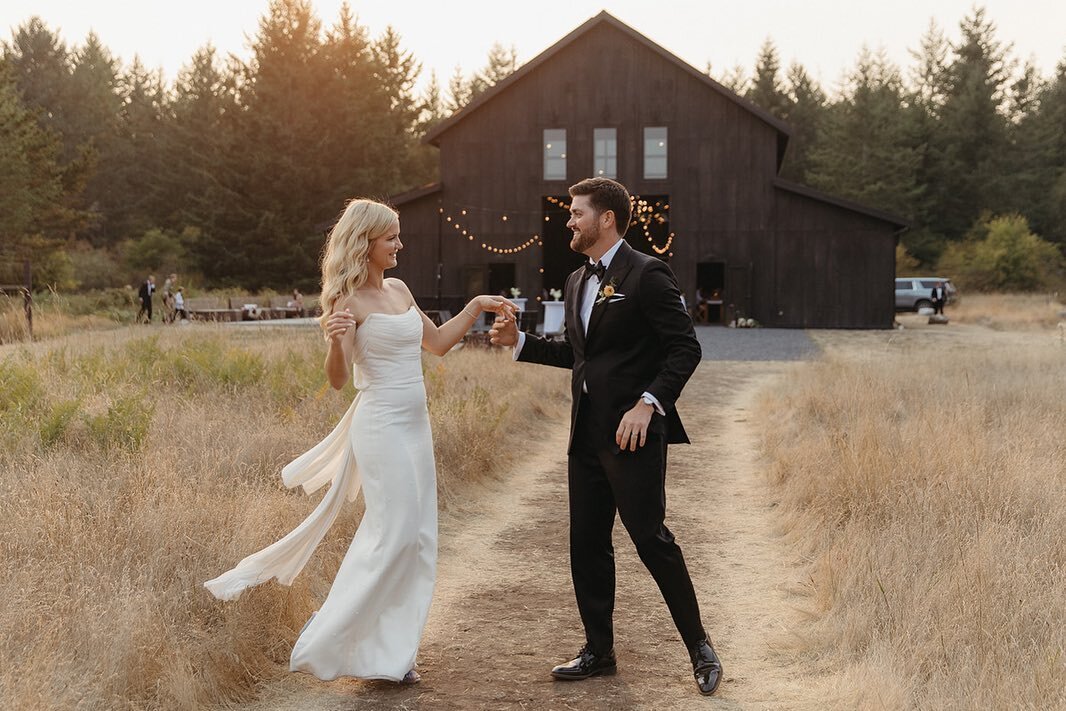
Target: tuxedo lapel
[573, 311]
[617, 272]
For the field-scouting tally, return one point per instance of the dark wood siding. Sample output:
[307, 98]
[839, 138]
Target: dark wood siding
[808, 263]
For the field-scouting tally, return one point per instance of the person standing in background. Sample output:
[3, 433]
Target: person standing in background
[145, 295]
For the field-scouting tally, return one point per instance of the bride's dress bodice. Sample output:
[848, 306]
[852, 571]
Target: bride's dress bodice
[388, 350]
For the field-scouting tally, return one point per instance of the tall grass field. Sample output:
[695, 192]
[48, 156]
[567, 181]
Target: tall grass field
[134, 467]
[926, 490]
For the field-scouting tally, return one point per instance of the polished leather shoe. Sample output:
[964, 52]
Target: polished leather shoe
[586, 664]
[706, 667]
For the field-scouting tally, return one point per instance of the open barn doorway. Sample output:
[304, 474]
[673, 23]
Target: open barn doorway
[710, 286]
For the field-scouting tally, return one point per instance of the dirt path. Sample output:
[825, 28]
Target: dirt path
[504, 611]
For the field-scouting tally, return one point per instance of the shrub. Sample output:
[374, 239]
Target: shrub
[124, 426]
[1002, 254]
[55, 422]
[20, 387]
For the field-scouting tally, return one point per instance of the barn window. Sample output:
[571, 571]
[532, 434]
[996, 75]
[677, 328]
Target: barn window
[654, 152]
[555, 154]
[605, 160]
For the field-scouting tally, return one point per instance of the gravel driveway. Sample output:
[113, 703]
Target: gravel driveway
[720, 343]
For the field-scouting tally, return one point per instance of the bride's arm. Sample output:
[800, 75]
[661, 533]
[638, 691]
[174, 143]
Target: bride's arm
[440, 339]
[340, 334]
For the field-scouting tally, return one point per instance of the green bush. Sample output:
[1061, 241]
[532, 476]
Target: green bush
[295, 377]
[56, 421]
[1002, 254]
[20, 387]
[203, 364]
[124, 426]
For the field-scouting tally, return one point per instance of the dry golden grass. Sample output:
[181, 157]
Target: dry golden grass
[49, 322]
[1009, 312]
[929, 496]
[133, 468]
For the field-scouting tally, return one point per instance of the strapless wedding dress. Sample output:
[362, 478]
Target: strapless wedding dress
[372, 620]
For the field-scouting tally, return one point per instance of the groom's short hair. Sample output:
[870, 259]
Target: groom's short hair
[606, 194]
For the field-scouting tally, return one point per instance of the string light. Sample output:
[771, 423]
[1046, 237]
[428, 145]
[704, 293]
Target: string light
[645, 215]
[533, 241]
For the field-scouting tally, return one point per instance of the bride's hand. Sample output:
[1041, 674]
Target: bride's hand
[498, 305]
[338, 324]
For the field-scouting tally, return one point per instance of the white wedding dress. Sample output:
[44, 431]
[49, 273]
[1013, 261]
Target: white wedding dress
[372, 620]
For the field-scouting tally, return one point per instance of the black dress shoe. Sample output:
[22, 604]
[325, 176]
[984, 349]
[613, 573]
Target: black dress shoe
[706, 667]
[586, 664]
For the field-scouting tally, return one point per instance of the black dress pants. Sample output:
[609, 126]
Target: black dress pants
[633, 484]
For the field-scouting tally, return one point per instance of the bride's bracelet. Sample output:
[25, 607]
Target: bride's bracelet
[469, 314]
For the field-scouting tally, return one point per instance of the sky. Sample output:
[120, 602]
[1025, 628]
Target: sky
[824, 35]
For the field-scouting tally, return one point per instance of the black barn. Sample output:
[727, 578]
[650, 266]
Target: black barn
[702, 161]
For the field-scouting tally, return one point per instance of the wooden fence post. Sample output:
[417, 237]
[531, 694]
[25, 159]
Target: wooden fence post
[28, 295]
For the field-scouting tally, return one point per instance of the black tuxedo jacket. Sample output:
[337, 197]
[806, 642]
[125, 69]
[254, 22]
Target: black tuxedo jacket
[639, 340]
[938, 293]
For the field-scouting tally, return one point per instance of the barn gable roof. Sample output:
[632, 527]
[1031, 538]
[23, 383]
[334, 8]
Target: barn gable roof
[899, 223]
[414, 194]
[605, 18]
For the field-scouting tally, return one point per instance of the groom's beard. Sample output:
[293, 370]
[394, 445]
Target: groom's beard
[583, 240]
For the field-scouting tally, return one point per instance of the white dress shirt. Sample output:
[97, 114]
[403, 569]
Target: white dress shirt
[588, 300]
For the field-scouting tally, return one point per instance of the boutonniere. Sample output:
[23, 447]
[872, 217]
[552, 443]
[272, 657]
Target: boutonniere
[607, 291]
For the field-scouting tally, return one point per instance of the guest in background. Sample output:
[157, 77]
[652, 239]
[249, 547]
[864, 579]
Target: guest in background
[939, 295]
[169, 285]
[145, 295]
[297, 302]
[179, 305]
[702, 314]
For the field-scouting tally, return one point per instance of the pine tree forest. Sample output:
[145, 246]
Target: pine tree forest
[231, 171]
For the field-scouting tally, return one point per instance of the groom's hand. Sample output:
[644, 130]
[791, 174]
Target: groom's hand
[504, 331]
[633, 429]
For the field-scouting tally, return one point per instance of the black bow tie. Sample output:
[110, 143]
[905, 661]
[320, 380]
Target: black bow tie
[598, 269]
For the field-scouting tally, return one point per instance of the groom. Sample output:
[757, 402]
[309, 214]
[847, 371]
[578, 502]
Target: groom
[632, 348]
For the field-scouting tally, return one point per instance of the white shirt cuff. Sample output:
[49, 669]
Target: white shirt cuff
[654, 401]
[521, 342]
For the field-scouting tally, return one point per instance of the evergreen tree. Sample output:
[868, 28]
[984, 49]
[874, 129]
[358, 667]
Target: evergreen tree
[921, 118]
[736, 80]
[275, 160]
[1042, 148]
[863, 151]
[458, 91]
[96, 103]
[203, 98]
[971, 143]
[766, 89]
[432, 105]
[133, 200]
[39, 63]
[354, 110]
[806, 106]
[397, 71]
[501, 63]
[35, 211]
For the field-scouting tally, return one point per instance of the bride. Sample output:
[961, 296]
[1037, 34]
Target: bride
[372, 619]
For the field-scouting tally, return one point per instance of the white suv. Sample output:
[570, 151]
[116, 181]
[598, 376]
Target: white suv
[914, 293]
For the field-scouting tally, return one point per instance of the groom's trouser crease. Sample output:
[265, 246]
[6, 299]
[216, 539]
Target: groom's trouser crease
[602, 482]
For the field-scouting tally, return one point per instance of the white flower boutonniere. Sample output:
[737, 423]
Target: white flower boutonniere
[607, 291]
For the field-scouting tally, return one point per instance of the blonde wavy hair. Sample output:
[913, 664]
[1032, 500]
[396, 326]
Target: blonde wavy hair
[344, 259]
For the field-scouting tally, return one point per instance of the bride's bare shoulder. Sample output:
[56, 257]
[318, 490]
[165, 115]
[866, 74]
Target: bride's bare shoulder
[348, 301]
[401, 287]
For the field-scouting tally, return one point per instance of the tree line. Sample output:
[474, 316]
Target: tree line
[965, 144]
[232, 170]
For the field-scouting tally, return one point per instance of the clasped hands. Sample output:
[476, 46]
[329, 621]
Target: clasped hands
[632, 430]
[505, 309]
